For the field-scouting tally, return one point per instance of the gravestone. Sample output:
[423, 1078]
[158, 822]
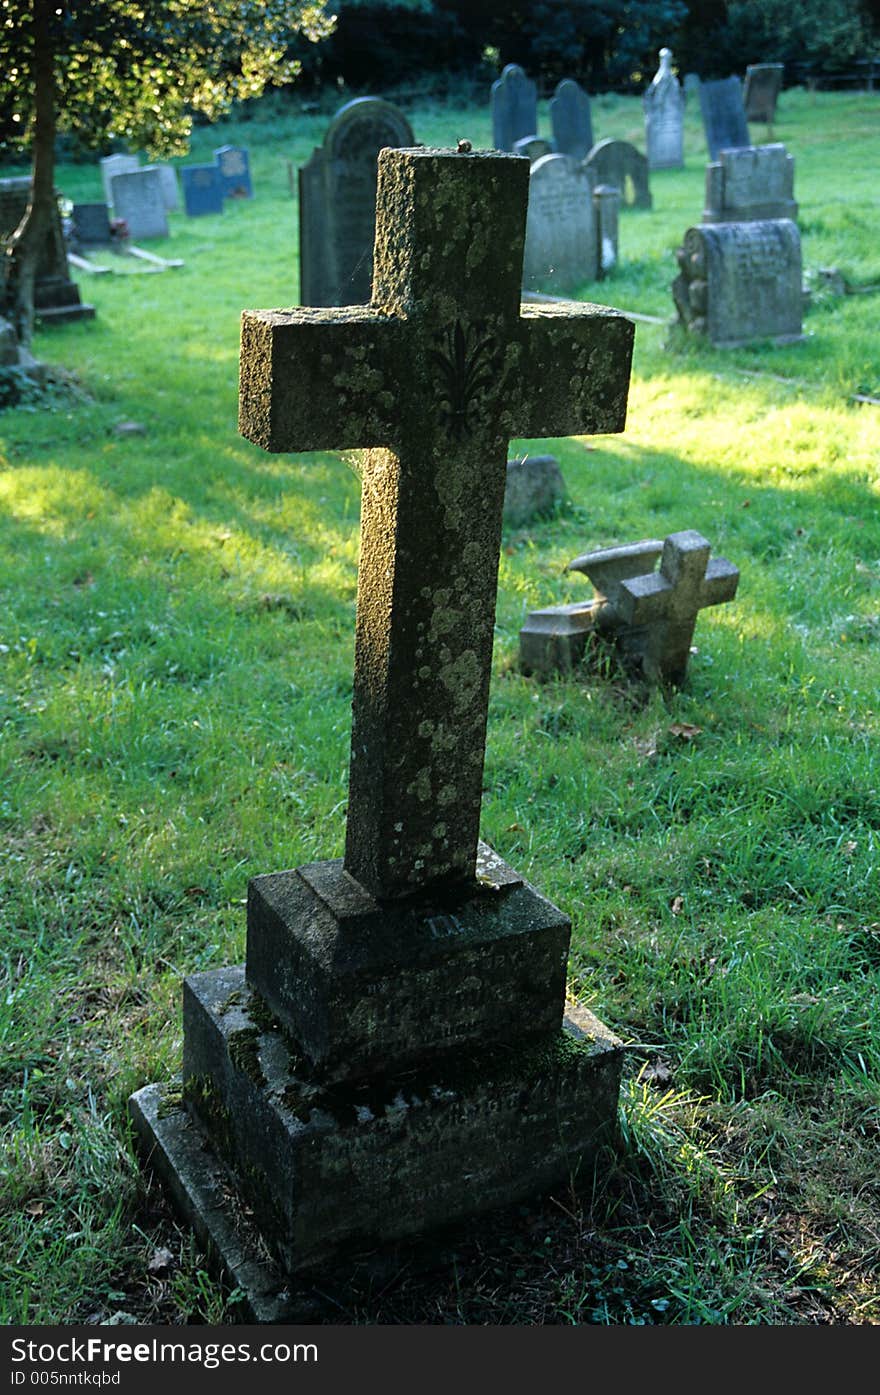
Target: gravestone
[691, 86]
[234, 164]
[761, 90]
[56, 294]
[741, 282]
[532, 147]
[618, 163]
[534, 489]
[571, 120]
[744, 185]
[138, 199]
[170, 191]
[724, 116]
[664, 117]
[202, 190]
[112, 165]
[649, 614]
[514, 100]
[563, 236]
[90, 224]
[337, 202]
[394, 1054]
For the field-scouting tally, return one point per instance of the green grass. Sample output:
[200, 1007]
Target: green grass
[175, 680]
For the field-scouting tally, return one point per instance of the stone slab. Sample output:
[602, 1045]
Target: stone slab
[331, 1168]
[534, 489]
[553, 640]
[366, 987]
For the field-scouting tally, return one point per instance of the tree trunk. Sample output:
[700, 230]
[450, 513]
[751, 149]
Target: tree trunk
[24, 246]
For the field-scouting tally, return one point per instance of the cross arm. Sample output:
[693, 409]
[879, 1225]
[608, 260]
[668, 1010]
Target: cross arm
[316, 379]
[722, 579]
[574, 370]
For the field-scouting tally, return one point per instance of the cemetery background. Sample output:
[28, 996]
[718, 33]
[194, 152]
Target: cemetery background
[178, 640]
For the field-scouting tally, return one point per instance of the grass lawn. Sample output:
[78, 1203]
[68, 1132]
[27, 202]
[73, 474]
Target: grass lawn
[176, 652]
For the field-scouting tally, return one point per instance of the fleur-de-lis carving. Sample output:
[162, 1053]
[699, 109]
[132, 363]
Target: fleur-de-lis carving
[467, 364]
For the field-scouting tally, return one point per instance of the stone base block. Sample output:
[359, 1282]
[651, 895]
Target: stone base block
[328, 1169]
[64, 314]
[553, 640]
[365, 986]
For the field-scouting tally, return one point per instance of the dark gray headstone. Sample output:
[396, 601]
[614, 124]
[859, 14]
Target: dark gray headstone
[422, 943]
[724, 116]
[514, 101]
[572, 123]
[750, 184]
[337, 202]
[202, 190]
[618, 163]
[761, 90]
[234, 164]
[741, 282]
[91, 223]
[664, 117]
[139, 199]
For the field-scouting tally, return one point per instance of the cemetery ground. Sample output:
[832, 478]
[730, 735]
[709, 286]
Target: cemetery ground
[176, 649]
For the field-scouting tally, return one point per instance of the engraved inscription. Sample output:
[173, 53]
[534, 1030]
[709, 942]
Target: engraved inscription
[467, 362]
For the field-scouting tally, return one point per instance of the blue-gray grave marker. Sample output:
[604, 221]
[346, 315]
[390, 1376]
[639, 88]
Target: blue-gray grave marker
[202, 189]
[570, 116]
[514, 100]
[234, 165]
[724, 115]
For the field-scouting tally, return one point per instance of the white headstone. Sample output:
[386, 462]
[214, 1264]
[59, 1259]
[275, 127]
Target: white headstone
[664, 117]
[138, 198]
[116, 164]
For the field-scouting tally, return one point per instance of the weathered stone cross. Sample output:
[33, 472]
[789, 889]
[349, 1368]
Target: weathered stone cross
[433, 378]
[668, 601]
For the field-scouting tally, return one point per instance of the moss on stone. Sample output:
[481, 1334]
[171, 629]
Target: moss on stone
[244, 1053]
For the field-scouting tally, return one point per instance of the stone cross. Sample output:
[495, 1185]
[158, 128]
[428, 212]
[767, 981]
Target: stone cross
[668, 601]
[432, 379]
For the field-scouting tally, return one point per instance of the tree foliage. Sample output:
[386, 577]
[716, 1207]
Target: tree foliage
[137, 70]
[129, 70]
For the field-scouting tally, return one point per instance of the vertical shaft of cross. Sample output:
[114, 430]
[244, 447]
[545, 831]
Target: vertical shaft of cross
[431, 525]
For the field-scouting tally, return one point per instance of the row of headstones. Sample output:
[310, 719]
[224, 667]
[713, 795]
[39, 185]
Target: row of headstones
[572, 230]
[726, 107]
[143, 195]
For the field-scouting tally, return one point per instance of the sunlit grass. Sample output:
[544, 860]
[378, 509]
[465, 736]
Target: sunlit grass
[175, 680]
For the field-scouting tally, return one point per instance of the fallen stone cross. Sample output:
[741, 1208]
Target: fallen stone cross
[650, 614]
[396, 1053]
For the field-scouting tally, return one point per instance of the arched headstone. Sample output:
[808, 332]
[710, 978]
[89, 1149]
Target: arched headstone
[514, 100]
[619, 163]
[570, 115]
[337, 202]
